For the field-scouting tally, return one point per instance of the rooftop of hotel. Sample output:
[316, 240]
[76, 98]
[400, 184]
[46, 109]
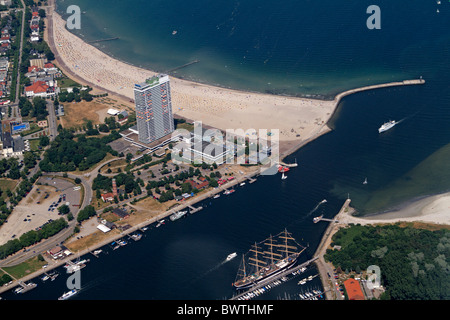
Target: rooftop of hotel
[151, 82]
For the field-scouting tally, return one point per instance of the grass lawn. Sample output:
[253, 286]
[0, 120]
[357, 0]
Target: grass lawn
[25, 268]
[67, 83]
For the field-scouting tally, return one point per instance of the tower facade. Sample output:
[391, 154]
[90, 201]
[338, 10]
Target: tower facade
[153, 108]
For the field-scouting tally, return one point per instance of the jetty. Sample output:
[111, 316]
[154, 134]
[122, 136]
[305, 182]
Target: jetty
[338, 98]
[183, 66]
[101, 40]
[321, 218]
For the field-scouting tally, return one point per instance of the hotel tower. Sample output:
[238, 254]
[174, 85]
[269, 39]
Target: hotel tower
[153, 108]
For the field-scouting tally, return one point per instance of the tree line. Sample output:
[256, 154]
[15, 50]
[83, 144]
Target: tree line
[414, 263]
[31, 237]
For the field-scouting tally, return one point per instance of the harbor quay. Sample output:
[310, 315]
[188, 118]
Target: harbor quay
[190, 203]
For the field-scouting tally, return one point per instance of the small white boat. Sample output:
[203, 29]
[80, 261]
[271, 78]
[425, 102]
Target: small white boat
[365, 181]
[231, 256]
[242, 184]
[68, 294]
[283, 176]
[160, 223]
[216, 196]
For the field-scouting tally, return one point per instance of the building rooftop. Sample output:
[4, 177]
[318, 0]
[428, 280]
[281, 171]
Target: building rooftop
[353, 289]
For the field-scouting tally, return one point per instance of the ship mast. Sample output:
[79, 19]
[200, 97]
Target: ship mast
[287, 236]
[257, 263]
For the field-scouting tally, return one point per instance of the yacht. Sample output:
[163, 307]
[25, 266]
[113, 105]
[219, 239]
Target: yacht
[231, 256]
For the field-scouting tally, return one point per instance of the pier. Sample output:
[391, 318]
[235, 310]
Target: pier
[377, 86]
[101, 40]
[193, 210]
[251, 180]
[183, 66]
[321, 218]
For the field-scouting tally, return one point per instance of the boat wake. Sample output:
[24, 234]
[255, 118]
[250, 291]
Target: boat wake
[217, 266]
[311, 212]
[316, 207]
[406, 118]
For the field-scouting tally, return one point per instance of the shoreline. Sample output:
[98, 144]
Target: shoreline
[289, 145]
[298, 119]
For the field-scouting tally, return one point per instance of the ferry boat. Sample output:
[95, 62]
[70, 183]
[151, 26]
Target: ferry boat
[68, 294]
[267, 259]
[386, 126]
[231, 256]
[177, 215]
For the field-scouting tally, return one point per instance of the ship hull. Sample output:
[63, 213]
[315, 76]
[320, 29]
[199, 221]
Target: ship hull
[266, 277]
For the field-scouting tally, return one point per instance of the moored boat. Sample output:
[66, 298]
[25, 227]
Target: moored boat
[177, 215]
[267, 259]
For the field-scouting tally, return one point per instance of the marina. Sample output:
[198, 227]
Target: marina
[268, 284]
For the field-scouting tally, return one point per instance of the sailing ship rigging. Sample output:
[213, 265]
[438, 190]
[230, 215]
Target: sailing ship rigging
[268, 258]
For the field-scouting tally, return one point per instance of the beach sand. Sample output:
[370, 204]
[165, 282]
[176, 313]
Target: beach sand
[298, 120]
[433, 209]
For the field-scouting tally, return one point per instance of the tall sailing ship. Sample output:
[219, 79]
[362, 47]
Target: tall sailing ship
[267, 258]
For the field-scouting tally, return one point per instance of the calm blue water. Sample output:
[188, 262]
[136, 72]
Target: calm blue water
[298, 48]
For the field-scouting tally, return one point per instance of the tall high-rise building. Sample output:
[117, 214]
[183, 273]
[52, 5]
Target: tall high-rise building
[153, 108]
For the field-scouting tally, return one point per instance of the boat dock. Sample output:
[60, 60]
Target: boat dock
[272, 279]
[321, 218]
[26, 286]
[101, 40]
[192, 209]
[289, 165]
[251, 180]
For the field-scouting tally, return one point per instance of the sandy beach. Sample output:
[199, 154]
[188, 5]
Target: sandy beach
[433, 209]
[297, 119]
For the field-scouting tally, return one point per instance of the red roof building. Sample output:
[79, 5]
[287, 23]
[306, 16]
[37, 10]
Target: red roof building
[33, 68]
[108, 197]
[353, 289]
[49, 65]
[39, 88]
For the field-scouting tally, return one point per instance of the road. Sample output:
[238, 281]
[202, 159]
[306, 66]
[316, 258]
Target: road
[20, 54]
[52, 120]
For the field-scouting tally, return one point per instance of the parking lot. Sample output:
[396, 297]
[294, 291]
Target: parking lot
[40, 207]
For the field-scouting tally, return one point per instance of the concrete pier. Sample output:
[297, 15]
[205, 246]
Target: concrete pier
[377, 86]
